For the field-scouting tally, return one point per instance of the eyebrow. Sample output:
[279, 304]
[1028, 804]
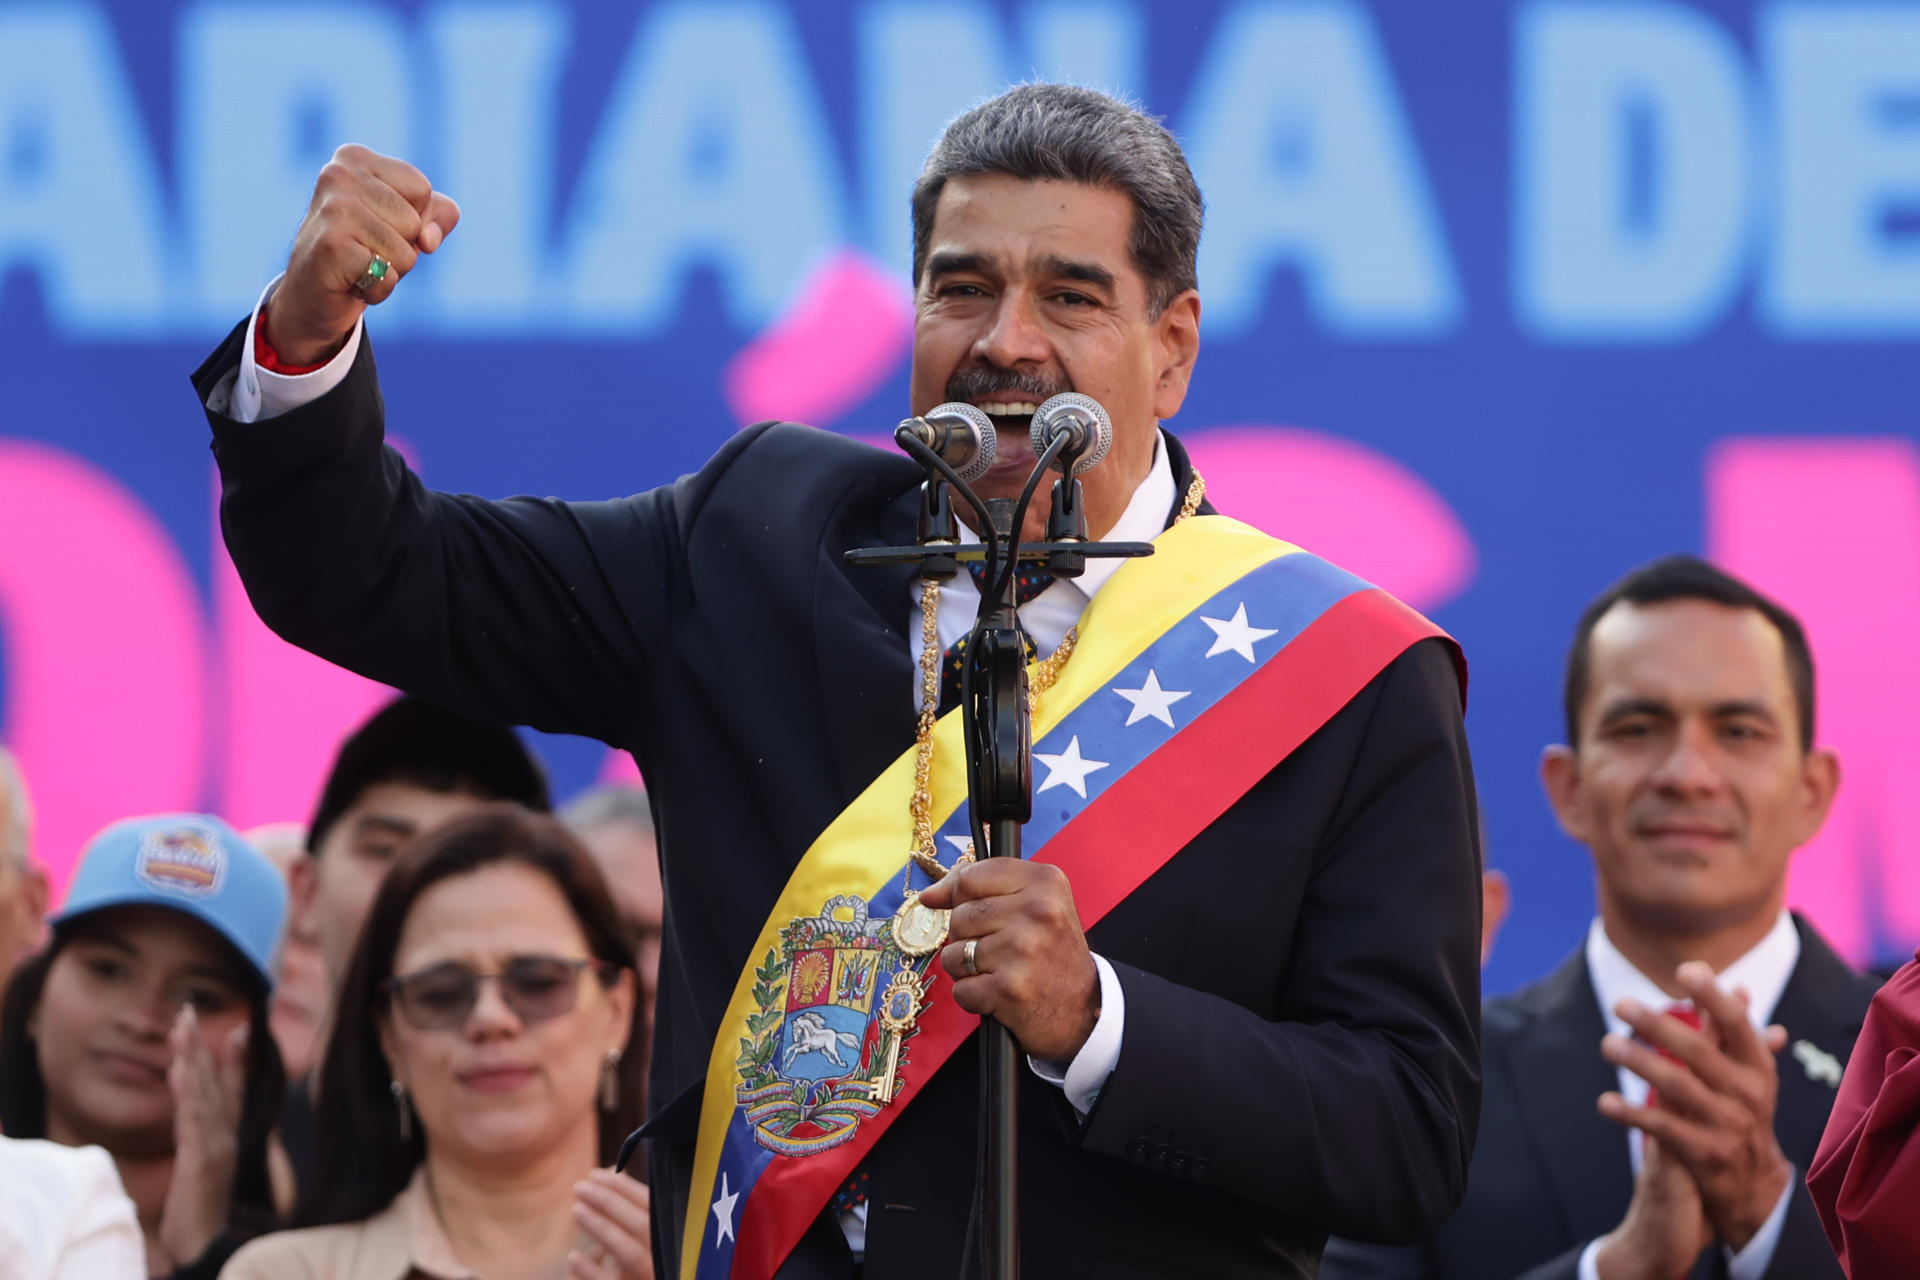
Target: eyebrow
[1073, 269]
[949, 263]
[212, 972]
[1655, 707]
[380, 822]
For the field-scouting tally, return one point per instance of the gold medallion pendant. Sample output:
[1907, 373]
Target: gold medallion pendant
[918, 930]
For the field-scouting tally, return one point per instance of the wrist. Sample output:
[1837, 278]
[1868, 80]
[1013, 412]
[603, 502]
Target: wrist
[290, 346]
[1620, 1258]
[1740, 1227]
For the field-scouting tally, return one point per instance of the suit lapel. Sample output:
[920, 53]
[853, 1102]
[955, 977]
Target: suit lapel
[1557, 1075]
[1822, 1008]
[860, 615]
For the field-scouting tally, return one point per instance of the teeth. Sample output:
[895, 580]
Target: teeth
[1024, 410]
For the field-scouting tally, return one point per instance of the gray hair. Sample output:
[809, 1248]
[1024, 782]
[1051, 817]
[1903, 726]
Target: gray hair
[606, 805]
[1063, 133]
[16, 808]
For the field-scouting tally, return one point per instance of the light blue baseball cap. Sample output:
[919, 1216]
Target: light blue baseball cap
[193, 863]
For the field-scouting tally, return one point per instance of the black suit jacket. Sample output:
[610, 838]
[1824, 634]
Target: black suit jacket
[1301, 1044]
[1551, 1173]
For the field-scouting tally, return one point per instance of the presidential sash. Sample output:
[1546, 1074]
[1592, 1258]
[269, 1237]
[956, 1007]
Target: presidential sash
[1198, 670]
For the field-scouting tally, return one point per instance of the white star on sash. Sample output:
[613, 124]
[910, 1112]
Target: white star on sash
[1068, 768]
[1150, 701]
[723, 1210]
[1236, 635]
[962, 845]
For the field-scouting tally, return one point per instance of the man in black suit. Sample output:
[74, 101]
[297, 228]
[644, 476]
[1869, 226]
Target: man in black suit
[1691, 776]
[1274, 1037]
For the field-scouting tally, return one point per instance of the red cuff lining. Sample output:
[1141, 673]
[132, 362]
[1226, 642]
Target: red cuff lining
[267, 358]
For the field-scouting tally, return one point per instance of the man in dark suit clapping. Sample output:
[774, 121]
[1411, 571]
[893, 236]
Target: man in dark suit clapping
[1617, 1140]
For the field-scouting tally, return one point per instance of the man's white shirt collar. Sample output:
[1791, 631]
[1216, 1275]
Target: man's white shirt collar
[1763, 972]
[1051, 614]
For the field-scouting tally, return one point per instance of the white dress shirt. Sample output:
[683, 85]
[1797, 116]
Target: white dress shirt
[1763, 972]
[256, 394]
[64, 1215]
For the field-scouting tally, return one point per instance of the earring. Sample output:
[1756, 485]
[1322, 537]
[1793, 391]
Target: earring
[404, 1109]
[610, 1081]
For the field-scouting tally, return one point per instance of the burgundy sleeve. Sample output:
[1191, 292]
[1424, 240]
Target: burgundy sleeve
[1865, 1179]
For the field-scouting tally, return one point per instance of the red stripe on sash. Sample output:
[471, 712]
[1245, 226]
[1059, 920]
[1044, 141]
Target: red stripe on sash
[1280, 706]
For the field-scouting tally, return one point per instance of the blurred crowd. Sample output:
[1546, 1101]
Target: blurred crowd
[411, 1034]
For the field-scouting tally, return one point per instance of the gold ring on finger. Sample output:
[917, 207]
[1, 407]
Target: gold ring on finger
[967, 957]
[377, 270]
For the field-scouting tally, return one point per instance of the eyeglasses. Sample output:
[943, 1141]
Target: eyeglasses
[442, 997]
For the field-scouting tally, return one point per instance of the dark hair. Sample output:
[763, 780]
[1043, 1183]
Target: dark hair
[360, 1160]
[413, 741]
[1063, 133]
[1682, 577]
[23, 1093]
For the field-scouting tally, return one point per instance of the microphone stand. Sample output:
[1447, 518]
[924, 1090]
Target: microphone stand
[997, 727]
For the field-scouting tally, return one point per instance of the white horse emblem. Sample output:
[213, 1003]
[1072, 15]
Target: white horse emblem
[811, 1034]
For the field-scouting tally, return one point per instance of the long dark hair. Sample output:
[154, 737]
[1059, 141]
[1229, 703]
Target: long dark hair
[360, 1160]
[23, 1093]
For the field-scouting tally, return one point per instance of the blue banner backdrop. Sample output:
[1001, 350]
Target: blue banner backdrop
[1500, 300]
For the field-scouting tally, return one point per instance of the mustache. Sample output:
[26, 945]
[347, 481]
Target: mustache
[971, 384]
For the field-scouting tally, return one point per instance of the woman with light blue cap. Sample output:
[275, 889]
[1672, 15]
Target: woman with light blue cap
[143, 1029]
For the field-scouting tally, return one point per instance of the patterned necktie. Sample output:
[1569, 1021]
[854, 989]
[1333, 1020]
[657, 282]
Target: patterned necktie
[1029, 580]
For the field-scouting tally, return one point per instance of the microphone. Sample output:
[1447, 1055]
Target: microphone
[960, 433]
[1088, 429]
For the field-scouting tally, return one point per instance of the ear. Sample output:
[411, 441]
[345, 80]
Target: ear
[620, 998]
[1177, 337]
[303, 886]
[390, 1047]
[1820, 781]
[33, 896]
[1496, 897]
[1560, 775]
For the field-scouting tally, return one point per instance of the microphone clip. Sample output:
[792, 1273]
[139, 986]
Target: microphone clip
[1066, 522]
[937, 528]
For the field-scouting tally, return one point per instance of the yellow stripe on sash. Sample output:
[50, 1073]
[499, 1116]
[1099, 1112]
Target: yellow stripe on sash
[867, 844]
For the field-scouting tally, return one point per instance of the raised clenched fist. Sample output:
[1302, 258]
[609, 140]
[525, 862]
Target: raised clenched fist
[365, 205]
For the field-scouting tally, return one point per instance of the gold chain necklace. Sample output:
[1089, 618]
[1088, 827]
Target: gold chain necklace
[920, 806]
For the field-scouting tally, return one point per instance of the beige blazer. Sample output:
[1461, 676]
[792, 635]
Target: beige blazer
[401, 1242]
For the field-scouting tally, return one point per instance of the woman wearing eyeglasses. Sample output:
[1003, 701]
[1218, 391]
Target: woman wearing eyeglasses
[475, 1082]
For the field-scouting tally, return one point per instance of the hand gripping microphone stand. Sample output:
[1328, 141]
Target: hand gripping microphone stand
[1070, 431]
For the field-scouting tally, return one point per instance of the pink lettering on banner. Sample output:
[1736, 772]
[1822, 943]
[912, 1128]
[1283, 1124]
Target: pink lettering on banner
[1342, 501]
[105, 652]
[844, 336]
[1831, 529]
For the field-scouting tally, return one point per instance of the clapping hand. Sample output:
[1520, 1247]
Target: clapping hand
[1665, 1228]
[1716, 1090]
[208, 1084]
[615, 1212]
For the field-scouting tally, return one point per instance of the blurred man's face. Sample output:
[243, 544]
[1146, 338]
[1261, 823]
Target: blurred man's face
[1689, 784]
[629, 860]
[1030, 289]
[23, 906]
[334, 887]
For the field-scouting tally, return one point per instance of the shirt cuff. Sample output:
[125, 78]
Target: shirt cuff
[1087, 1074]
[259, 393]
[1751, 1263]
[1589, 1268]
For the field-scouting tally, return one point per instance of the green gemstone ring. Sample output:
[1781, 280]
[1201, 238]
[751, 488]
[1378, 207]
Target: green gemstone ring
[377, 270]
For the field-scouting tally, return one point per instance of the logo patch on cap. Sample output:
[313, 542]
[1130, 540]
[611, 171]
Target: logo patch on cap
[187, 859]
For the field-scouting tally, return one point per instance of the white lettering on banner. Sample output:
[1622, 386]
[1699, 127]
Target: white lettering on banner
[1846, 82]
[903, 108]
[1298, 138]
[498, 67]
[1632, 171]
[265, 97]
[1644, 153]
[80, 202]
[713, 150]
